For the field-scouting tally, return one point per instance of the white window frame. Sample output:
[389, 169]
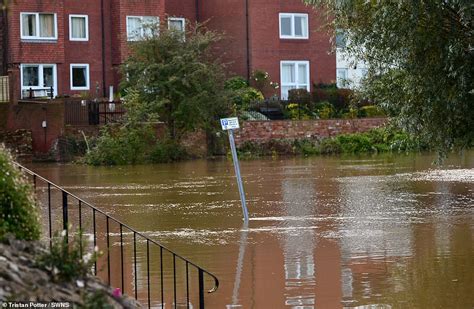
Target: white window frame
[293, 36]
[296, 63]
[181, 19]
[37, 25]
[40, 77]
[342, 82]
[142, 32]
[86, 17]
[79, 65]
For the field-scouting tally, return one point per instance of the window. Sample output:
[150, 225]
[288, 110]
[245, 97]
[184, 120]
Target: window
[177, 24]
[341, 39]
[293, 75]
[342, 78]
[37, 80]
[139, 27]
[38, 26]
[78, 28]
[293, 26]
[79, 77]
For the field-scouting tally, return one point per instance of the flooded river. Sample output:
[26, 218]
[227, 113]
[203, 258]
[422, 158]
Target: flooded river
[388, 231]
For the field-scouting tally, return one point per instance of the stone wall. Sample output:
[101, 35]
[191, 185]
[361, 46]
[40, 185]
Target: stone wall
[264, 131]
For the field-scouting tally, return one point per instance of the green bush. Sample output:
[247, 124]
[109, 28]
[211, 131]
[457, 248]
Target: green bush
[330, 146]
[236, 83]
[371, 111]
[325, 110]
[18, 213]
[306, 147]
[65, 260]
[295, 111]
[121, 145]
[167, 151]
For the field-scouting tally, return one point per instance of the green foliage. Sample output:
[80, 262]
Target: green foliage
[325, 110]
[121, 145]
[262, 82]
[133, 144]
[306, 147]
[166, 151]
[371, 111]
[65, 261]
[374, 141]
[242, 95]
[18, 213]
[180, 82]
[421, 62]
[96, 299]
[295, 111]
[236, 83]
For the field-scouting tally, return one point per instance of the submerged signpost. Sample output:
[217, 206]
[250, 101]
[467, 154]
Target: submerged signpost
[229, 125]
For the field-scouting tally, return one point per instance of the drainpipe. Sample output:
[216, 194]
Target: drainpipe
[5, 48]
[248, 39]
[104, 94]
[197, 10]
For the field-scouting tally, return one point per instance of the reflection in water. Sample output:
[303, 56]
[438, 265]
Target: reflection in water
[379, 232]
[299, 244]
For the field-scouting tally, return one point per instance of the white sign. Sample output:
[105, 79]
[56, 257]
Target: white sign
[230, 123]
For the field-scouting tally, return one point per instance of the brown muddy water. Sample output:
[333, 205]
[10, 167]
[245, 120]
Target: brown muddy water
[325, 232]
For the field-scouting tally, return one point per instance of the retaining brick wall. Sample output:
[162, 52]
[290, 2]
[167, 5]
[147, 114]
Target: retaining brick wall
[263, 131]
[30, 116]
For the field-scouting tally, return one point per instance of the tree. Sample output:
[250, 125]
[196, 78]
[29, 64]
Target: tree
[421, 62]
[177, 79]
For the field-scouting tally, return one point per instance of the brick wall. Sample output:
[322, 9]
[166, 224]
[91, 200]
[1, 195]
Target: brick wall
[264, 131]
[3, 47]
[29, 116]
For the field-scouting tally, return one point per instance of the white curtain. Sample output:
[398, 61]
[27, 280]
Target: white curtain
[134, 25]
[301, 26]
[78, 25]
[47, 25]
[29, 24]
[288, 73]
[302, 76]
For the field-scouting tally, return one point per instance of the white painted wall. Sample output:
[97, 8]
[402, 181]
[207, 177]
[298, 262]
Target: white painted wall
[349, 72]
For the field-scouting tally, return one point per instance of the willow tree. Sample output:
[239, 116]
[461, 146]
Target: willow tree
[421, 62]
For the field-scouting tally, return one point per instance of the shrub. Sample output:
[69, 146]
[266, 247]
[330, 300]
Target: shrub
[167, 151]
[18, 213]
[236, 83]
[330, 146]
[306, 147]
[325, 110]
[295, 111]
[371, 111]
[122, 145]
[65, 261]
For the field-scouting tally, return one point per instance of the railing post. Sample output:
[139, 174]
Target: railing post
[51, 93]
[65, 215]
[201, 288]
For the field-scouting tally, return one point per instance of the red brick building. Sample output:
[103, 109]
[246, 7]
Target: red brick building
[70, 47]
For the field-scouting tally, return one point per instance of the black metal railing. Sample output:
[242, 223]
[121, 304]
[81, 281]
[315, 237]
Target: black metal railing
[92, 112]
[170, 278]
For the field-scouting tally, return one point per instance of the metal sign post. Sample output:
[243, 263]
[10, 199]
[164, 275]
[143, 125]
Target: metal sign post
[229, 124]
